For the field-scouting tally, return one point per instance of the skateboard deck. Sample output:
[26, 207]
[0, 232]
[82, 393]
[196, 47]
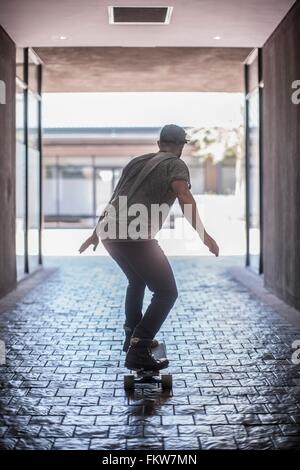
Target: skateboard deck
[142, 376]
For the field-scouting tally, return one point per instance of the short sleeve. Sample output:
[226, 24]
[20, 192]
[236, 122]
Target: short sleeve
[178, 170]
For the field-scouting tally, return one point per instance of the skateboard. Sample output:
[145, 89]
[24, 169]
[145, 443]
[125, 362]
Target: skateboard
[142, 376]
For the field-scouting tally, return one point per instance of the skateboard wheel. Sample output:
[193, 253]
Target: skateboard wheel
[129, 382]
[166, 382]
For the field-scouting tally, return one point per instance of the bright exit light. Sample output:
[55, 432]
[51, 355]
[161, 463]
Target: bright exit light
[105, 175]
[121, 109]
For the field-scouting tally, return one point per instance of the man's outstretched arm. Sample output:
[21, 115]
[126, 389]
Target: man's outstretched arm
[189, 208]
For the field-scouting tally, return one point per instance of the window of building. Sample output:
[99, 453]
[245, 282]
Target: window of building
[28, 161]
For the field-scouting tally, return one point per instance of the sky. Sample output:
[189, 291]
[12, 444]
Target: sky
[138, 109]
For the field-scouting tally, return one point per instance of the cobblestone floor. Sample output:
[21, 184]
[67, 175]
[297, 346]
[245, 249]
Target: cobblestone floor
[235, 385]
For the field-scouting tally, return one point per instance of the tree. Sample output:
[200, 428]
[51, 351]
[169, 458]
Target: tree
[219, 143]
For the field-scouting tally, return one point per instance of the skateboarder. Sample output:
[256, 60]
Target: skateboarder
[148, 181]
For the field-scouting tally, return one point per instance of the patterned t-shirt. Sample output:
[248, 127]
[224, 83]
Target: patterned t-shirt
[149, 206]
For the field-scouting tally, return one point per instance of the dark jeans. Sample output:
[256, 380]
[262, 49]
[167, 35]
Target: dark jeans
[145, 264]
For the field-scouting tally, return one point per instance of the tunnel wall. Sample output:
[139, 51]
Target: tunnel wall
[281, 160]
[7, 164]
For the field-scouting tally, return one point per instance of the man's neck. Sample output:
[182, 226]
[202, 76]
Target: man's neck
[168, 151]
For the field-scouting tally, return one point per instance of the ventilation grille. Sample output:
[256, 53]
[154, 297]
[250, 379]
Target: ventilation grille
[139, 15]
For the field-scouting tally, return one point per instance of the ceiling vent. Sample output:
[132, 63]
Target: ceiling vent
[139, 15]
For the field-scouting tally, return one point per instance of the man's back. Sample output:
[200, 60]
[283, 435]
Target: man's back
[154, 191]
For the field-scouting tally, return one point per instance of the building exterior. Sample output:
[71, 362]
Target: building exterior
[82, 166]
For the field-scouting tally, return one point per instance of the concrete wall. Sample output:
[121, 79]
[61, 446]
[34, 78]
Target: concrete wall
[143, 69]
[281, 160]
[7, 166]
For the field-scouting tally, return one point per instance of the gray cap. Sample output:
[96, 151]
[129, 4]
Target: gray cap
[173, 133]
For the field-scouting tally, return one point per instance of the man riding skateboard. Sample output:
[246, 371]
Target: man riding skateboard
[148, 182]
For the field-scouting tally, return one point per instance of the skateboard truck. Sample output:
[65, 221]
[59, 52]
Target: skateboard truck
[146, 377]
[142, 376]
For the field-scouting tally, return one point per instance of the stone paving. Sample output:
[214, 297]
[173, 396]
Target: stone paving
[235, 386]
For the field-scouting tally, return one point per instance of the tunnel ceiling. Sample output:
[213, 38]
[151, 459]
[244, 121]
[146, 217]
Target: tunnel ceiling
[193, 23]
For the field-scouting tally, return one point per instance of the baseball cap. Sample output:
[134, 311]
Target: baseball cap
[173, 133]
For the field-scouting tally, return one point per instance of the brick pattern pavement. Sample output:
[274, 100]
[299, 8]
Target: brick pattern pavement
[235, 386]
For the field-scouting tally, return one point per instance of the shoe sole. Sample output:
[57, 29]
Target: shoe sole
[125, 349]
[141, 369]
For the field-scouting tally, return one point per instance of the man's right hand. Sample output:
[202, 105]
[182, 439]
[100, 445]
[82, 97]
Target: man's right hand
[92, 240]
[211, 244]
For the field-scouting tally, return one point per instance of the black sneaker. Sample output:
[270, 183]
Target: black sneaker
[128, 334]
[140, 357]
